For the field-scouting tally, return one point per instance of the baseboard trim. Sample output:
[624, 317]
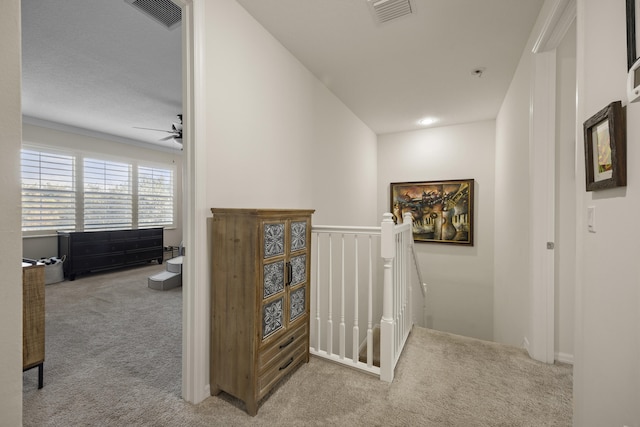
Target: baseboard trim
[558, 356]
[564, 358]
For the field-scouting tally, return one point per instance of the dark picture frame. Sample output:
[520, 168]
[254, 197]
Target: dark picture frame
[605, 148]
[442, 211]
[632, 48]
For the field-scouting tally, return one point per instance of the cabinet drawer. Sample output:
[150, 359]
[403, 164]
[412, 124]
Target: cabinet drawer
[271, 354]
[90, 248]
[97, 262]
[286, 364]
[145, 243]
[151, 232]
[89, 236]
[144, 255]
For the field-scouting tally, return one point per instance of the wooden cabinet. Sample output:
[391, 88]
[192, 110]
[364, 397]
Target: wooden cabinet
[259, 299]
[33, 319]
[97, 250]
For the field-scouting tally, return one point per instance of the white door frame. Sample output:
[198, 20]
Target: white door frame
[195, 304]
[542, 141]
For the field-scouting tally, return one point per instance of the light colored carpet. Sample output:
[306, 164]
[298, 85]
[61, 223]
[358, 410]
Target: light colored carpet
[113, 359]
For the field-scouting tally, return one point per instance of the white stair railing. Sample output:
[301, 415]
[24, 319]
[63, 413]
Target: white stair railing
[348, 295]
[344, 293]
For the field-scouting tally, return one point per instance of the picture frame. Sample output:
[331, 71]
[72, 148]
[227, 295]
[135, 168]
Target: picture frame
[442, 211]
[632, 36]
[605, 148]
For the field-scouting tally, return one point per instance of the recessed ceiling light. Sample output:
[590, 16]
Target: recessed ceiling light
[427, 121]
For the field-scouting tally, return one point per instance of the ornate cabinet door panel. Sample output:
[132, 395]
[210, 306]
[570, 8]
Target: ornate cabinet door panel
[273, 235]
[273, 279]
[298, 235]
[299, 263]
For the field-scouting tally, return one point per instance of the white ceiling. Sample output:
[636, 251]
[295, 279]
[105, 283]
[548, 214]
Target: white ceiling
[102, 65]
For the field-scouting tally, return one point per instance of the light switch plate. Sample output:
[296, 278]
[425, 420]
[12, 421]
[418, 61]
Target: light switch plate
[591, 219]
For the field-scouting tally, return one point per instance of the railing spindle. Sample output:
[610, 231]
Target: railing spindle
[318, 288]
[356, 297]
[370, 309]
[342, 302]
[330, 317]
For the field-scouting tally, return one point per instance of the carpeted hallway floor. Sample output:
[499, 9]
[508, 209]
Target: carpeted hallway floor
[113, 358]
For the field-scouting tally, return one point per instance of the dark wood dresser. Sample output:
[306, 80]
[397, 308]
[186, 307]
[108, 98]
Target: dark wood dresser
[98, 250]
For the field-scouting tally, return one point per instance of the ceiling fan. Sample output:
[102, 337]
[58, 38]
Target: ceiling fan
[175, 133]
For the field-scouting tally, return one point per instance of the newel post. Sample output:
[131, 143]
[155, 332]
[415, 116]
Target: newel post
[387, 251]
[407, 218]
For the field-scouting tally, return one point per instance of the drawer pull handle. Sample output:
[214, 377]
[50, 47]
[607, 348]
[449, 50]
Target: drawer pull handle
[289, 362]
[287, 343]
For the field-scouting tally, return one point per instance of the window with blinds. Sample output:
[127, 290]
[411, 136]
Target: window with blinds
[155, 197]
[48, 191]
[70, 192]
[108, 196]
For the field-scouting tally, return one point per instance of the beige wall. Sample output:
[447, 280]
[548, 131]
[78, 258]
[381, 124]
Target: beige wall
[511, 303]
[10, 250]
[514, 314]
[459, 278]
[276, 137]
[607, 347]
[565, 200]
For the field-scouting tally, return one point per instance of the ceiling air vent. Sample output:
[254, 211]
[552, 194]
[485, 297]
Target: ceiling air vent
[162, 11]
[388, 10]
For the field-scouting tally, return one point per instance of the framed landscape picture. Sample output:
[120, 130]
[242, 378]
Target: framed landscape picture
[442, 211]
[605, 148]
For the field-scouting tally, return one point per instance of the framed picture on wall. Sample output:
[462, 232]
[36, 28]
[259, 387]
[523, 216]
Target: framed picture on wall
[632, 34]
[633, 56]
[442, 211]
[605, 148]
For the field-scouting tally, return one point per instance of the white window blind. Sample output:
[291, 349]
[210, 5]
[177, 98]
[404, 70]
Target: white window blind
[48, 191]
[155, 197]
[107, 195]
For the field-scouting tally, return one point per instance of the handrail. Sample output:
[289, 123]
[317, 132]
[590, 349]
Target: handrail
[346, 229]
[423, 285]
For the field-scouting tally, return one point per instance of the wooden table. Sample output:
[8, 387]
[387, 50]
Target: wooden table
[33, 319]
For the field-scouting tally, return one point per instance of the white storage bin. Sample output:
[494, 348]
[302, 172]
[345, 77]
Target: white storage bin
[53, 272]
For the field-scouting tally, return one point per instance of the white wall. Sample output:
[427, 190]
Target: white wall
[565, 197]
[459, 279]
[275, 137]
[514, 291]
[511, 309]
[276, 134]
[47, 246]
[607, 346]
[10, 250]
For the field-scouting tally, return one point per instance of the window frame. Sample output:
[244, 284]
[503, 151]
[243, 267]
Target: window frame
[74, 184]
[79, 158]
